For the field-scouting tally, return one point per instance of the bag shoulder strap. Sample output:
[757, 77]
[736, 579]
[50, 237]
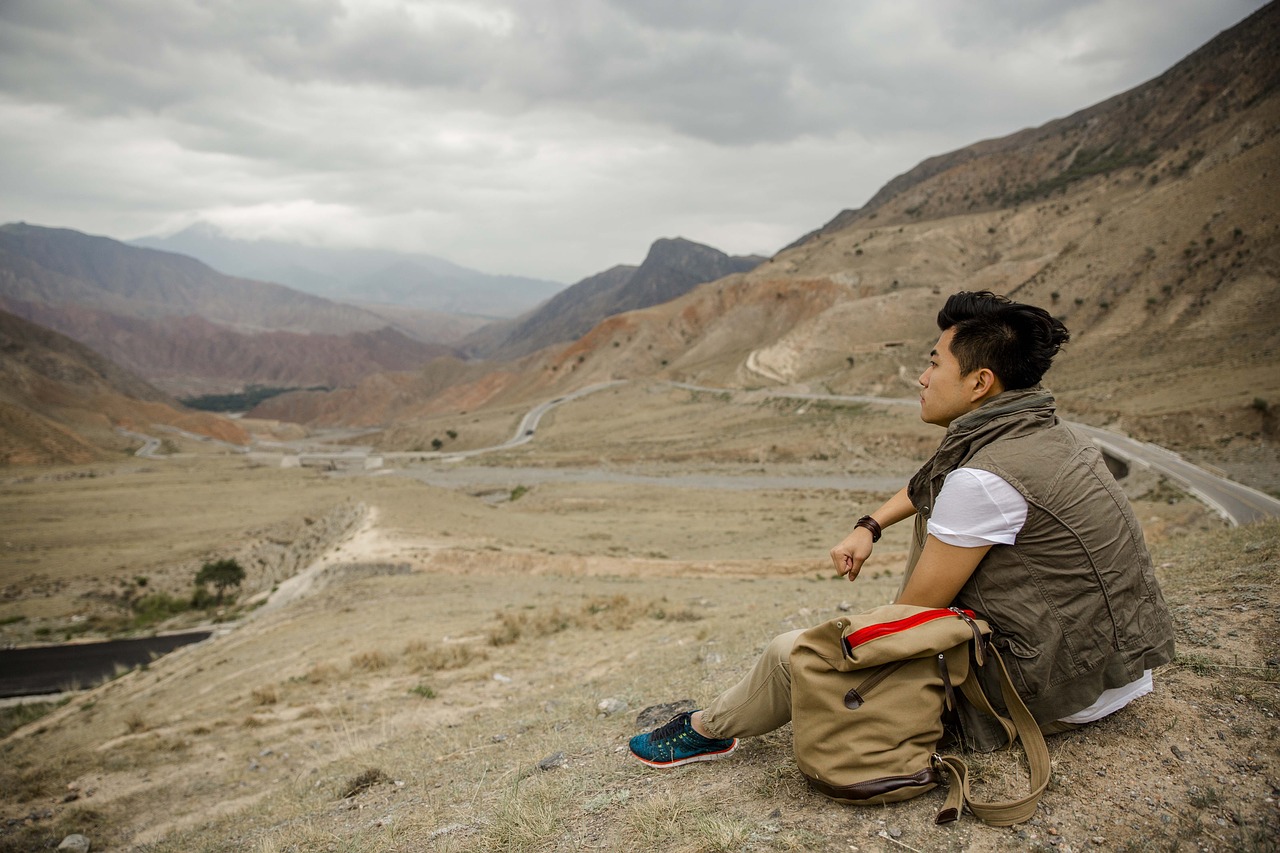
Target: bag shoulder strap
[978, 699]
[1008, 812]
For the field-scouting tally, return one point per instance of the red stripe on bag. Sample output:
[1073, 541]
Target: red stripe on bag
[884, 629]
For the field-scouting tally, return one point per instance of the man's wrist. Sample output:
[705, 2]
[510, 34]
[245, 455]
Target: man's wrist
[871, 525]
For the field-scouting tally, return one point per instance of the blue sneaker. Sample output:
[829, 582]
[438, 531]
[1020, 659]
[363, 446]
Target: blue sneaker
[676, 743]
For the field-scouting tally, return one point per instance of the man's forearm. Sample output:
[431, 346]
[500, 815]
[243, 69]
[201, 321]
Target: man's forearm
[895, 509]
[850, 554]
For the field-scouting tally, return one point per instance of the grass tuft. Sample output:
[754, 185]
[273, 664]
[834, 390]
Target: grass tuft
[364, 781]
[422, 656]
[370, 661]
[267, 694]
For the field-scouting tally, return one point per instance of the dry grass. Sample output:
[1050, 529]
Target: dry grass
[372, 660]
[383, 770]
[616, 612]
[457, 680]
[424, 656]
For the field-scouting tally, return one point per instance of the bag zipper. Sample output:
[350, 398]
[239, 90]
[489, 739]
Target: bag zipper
[858, 695]
[979, 647]
[884, 629]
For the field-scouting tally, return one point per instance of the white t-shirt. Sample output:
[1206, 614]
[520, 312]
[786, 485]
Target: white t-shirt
[976, 508]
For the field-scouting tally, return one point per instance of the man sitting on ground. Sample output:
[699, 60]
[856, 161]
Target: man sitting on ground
[1016, 518]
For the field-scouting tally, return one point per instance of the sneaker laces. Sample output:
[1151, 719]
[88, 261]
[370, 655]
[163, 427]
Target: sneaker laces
[671, 728]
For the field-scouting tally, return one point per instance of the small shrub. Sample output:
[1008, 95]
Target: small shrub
[13, 717]
[682, 615]
[24, 784]
[423, 690]
[223, 574]
[553, 621]
[157, 607]
[370, 661]
[266, 695]
[321, 673]
[422, 656]
[508, 630]
[363, 782]
[1204, 797]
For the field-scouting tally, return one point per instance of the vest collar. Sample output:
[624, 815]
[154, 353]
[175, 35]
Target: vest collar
[1007, 415]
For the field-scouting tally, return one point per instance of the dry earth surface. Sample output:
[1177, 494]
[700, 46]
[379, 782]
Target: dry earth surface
[414, 666]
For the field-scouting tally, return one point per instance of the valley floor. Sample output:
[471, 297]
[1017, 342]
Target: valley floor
[459, 667]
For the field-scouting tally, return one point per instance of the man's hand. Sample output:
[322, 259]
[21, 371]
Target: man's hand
[850, 554]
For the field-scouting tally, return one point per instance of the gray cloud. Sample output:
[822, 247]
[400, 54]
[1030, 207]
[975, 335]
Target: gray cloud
[542, 137]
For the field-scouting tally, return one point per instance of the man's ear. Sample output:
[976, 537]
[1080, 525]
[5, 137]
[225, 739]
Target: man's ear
[985, 384]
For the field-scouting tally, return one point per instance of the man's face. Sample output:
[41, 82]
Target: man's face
[945, 394]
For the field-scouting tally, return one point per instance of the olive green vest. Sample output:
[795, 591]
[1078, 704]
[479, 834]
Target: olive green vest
[1074, 604]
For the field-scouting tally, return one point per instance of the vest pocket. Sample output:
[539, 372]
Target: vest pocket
[1015, 652]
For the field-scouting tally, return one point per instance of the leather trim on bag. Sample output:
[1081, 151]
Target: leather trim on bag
[876, 787]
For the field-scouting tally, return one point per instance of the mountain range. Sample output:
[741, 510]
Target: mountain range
[180, 324]
[672, 268]
[360, 276]
[1148, 223]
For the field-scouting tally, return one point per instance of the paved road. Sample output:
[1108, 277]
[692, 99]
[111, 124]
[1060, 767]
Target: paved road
[1235, 502]
[529, 423]
[506, 477]
[53, 669]
[150, 445]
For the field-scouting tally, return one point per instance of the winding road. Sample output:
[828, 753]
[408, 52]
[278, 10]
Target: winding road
[529, 423]
[1235, 502]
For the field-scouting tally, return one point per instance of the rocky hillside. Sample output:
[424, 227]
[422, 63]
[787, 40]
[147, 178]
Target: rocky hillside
[1148, 223]
[190, 353]
[60, 402]
[672, 268]
[1163, 129]
[178, 323]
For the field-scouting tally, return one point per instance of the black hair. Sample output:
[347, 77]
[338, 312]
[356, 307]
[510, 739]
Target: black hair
[1014, 341]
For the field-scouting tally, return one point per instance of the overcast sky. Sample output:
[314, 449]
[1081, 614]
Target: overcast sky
[549, 138]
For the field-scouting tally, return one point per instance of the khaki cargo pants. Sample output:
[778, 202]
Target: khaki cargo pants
[761, 701]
